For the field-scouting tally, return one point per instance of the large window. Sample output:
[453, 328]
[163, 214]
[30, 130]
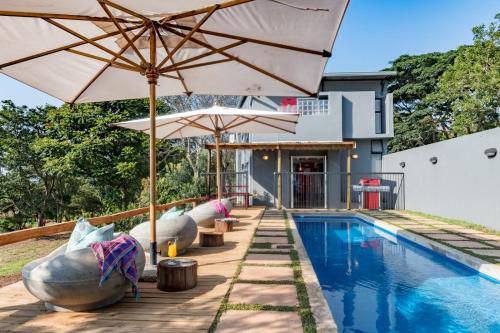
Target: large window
[313, 106]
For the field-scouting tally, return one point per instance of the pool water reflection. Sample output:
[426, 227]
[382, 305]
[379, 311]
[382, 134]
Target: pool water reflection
[376, 282]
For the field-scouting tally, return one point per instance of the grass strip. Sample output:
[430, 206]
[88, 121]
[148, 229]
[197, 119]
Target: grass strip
[260, 307]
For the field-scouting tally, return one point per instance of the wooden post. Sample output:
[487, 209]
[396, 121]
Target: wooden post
[280, 182]
[152, 76]
[209, 162]
[348, 179]
[218, 169]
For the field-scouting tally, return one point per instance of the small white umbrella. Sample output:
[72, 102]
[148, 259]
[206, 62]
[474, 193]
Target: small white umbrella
[216, 121]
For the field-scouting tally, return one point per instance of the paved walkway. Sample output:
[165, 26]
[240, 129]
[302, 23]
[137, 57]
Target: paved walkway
[264, 296]
[474, 242]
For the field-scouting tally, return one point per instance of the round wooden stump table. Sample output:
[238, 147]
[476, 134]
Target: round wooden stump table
[177, 274]
[225, 225]
[211, 239]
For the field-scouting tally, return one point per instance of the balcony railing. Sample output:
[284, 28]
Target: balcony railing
[308, 107]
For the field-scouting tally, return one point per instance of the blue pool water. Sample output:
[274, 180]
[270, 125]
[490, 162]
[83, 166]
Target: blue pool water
[376, 282]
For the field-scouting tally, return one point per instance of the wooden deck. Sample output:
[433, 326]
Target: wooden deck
[188, 311]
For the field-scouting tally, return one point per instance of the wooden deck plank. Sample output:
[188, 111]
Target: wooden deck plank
[187, 311]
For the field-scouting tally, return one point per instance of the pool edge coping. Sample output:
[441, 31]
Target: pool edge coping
[319, 306]
[490, 270]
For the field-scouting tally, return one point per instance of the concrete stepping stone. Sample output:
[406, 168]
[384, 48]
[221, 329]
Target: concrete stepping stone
[272, 225]
[494, 243]
[403, 222]
[271, 259]
[261, 273]
[271, 233]
[264, 294]
[467, 231]
[274, 240]
[487, 253]
[271, 229]
[468, 244]
[484, 237]
[446, 237]
[256, 250]
[419, 226]
[236, 321]
[430, 231]
[448, 226]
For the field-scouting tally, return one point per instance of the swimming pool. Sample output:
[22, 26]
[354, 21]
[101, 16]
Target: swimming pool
[374, 281]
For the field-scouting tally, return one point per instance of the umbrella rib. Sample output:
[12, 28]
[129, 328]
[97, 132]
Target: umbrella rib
[207, 54]
[220, 119]
[99, 46]
[63, 48]
[277, 119]
[61, 16]
[165, 46]
[273, 126]
[124, 9]
[109, 61]
[245, 63]
[228, 126]
[204, 10]
[124, 34]
[189, 34]
[107, 66]
[201, 64]
[184, 126]
[323, 53]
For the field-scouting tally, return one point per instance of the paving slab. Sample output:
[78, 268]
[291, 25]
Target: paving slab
[402, 222]
[274, 240]
[468, 244]
[261, 273]
[488, 253]
[414, 226]
[448, 226]
[271, 233]
[256, 250]
[427, 230]
[271, 259]
[264, 294]
[446, 237]
[467, 231]
[234, 321]
[484, 237]
[274, 225]
[494, 243]
[271, 229]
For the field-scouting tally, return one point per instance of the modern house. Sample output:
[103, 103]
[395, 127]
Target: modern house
[350, 122]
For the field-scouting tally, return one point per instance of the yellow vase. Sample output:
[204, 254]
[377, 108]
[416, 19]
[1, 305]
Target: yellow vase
[172, 249]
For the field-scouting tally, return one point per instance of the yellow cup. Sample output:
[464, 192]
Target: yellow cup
[172, 249]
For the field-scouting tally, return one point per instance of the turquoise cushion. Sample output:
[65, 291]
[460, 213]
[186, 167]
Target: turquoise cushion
[82, 229]
[95, 235]
[171, 214]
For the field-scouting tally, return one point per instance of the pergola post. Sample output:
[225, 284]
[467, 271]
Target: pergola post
[348, 179]
[209, 162]
[280, 181]
[218, 164]
[152, 76]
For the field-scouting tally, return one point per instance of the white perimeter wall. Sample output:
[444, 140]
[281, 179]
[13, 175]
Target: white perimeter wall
[464, 184]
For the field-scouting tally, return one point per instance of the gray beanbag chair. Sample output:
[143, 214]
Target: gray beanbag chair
[204, 215]
[181, 227]
[228, 203]
[70, 281]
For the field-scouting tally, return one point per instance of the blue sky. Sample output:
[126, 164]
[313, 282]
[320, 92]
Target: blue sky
[373, 33]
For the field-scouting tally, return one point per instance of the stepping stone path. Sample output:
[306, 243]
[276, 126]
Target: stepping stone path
[266, 279]
[474, 242]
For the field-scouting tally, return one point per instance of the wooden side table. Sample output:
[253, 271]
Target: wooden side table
[225, 225]
[211, 239]
[177, 274]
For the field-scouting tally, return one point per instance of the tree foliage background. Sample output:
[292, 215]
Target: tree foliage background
[438, 96]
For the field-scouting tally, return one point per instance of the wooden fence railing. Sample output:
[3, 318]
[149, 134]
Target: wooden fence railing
[21, 235]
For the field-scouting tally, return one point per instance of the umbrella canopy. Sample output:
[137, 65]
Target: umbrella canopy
[216, 120]
[81, 50]
[97, 50]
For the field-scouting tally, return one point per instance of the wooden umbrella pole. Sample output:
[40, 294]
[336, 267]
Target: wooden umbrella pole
[218, 171]
[152, 76]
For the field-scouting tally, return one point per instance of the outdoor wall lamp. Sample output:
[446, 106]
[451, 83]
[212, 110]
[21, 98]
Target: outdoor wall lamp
[490, 152]
[402, 164]
[433, 160]
[265, 157]
[354, 156]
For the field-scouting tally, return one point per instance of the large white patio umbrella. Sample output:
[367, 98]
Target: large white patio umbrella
[97, 50]
[216, 121]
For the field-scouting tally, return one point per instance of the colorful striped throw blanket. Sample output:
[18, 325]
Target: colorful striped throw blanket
[118, 253]
[219, 207]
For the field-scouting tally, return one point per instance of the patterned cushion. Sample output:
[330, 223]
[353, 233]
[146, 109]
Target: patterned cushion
[82, 229]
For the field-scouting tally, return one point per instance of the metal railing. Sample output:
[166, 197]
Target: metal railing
[234, 184]
[330, 190]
